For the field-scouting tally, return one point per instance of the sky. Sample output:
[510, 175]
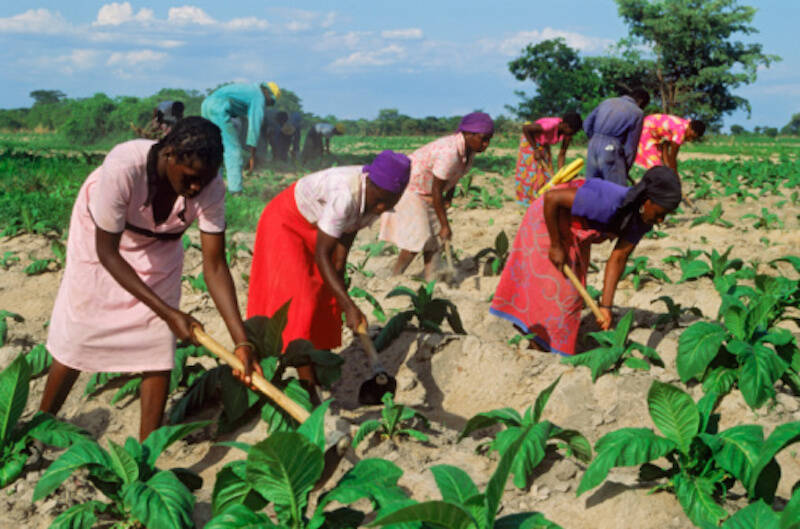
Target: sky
[349, 58]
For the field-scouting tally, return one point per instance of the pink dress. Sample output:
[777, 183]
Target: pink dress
[413, 224]
[532, 175]
[655, 129]
[97, 325]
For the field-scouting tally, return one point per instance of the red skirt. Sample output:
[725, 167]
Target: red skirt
[284, 269]
[535, 296]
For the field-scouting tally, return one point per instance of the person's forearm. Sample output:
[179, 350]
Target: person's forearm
[551, 213]
[223, 292]
[438, 201]
[614, 268]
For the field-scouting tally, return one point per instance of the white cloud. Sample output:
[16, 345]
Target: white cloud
[329, 20]
[402, 34]
[380, 57]
[35, 21]
[246, 23]
[189, 15]
[135, 58]
[114, 14]
[76, 60]
[512, 45]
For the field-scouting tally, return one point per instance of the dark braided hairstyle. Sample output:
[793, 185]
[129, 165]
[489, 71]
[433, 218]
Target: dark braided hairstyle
[195, 137]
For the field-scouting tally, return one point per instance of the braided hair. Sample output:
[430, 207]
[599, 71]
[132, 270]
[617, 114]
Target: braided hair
[195, 137]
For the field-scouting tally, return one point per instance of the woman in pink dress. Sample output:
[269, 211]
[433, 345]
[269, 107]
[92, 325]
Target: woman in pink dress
[662, 137]
[117, 306]
[535, 161]
[420, 216]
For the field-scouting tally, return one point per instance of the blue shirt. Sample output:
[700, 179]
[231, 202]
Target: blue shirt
[598, 200]
[244, 100]
[618, 117]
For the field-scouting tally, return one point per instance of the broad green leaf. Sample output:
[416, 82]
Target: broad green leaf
[283, 468]
[11, 468]
[705, 407]
[53, 432]
[314, 427]
[39, 359]
[735, 321]
[623, 329]
[530, 453]
[790, 518]
[758, 373]
[440, 513]
[737, 449]
[14, 382]
[237, 399]
[131, 387]
[674, 413]
[366, 428]
[693, 269]
[80, 516]
[122, 463]
[160, 439]
[781, 437]
[507, 416]
[98, 380]
[393, 328]
[162, 502]
[414, 434]
[454, 484]
[341, 518]
[525, 520]
[198, 394]
[636, 363]
[720, 380]
[276, 417]
[542, 398]
[697, 346]
[232, 488]
[77, 456]
[695, 494]
[497, 482]
[375, 479]
[757, 515]
[577, 444]
[623, 448]
[597, 360]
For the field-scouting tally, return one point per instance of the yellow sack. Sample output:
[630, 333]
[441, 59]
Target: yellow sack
[565, 174]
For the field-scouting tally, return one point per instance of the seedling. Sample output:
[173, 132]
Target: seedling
[640, 272]
[8, 259]
[713, 217]
[766, 220]
[675, 311]
[5, 315]
[499, 254]
[395, 421]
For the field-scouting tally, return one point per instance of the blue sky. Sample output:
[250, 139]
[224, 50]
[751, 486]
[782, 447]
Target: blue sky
[349, 58]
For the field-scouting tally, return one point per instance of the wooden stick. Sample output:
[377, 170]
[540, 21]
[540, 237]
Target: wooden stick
[367, 344]
[584, 294]
[448, 256]
[267, 388]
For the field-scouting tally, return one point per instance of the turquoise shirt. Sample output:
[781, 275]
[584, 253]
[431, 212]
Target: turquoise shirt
[244, 100]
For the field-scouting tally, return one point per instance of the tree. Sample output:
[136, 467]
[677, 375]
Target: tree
[793, 127]
[41, 97]
[695, 59]
[736, 130]
[564, 80]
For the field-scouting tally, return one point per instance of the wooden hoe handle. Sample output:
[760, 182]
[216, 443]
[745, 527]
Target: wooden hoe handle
[267, 388]
[582, 291]
[367, 344]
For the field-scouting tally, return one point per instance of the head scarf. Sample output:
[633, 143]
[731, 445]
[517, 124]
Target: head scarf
[273, 88]
[478, 122]
[339, 128]
[660, 184]
[390, 171]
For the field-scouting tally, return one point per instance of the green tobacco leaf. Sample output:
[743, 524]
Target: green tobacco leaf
[97, 380]
[14, 382]
[577, 444]
[674, 413]
[790, 518]
[237, 399]
[506, 416]
[625, 447]
[697, 346]
[530, 453]
[314, 427]
[232, 488]
[276, 417]
[695, 494]
[392, 330]
[597, 360]
[198, 394]
[525, 520]
[497, 482]
[541, 400]
[122, 463]
[782, 436]
[454, 484]
[366, 428]
[757, 515]
[160, 439]
[131, 387]
[636, 363]
[79, 455]
[737, 449]
[373, 479]
[440, 513]
[759, 371]
[720, 380]
[163, 502]
[51, 431]
[80, 516]
[693, 270]
[11, 468]
[39, 359]
[283, 469]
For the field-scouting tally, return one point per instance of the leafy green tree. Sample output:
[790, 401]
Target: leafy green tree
[47, 96]
[736, 130]
[793, 127]
[696, 60]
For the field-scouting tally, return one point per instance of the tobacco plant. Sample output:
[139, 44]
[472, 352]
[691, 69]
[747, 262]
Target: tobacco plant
[744, 347]
[615, 350]
[394, 422]
[713, 217]
[16, 437]
[703, 462]
[638, 271]
[498, 255]
[5, 315]
[535, 441]
[464, 507]
[137, 490]
[8, 258]
[429, 311]
[283, 469]
[675, 311]
[766, 220]
[38, 359]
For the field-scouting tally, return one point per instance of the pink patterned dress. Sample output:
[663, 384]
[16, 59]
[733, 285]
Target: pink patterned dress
[657, 128]
[96, 324]
[532, 175]
[413, 224]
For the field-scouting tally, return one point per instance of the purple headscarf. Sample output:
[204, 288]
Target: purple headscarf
[390, 171]
[478, 122]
